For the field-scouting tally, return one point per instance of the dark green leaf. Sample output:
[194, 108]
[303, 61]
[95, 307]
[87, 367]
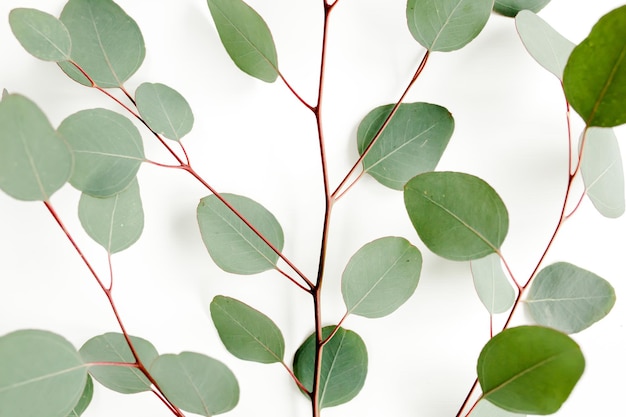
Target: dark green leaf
[511, 8]
[85, 399]
[42, 35]
[493, 288]
[164, 109]
[486, 409]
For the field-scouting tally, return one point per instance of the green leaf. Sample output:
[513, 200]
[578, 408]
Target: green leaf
[246, 37]
[112, 347]
[458, 216]
[344, 366]
[412, 142]
[85, 399]
[106, 42]
[548, 47]
[603, 172]
[233, 246]
[569, 298]
[595, 76]
[164, 110]
[380, 277]
[512, 8]
[34, 160]
[42, 35]
[247, 333]
[447, 25]
[529, 369]
[114, 222]
[196, 383]
[486, 409]
[41, 375]
[107, 150]
[493, 288]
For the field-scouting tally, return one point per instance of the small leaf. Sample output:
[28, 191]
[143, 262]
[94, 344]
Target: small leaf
[458, 216]
[412, 142]
[107, 150]
[246, 37]
[41, 375]
[486, 409]
[569, 298]
[247, 333]
[493, 288]
[595, 76]
[34, 161]
[112, 347]
[164, 110]
[41, 34]
[380, 277]
[196, 383]
[447, 25]
[233, 246]
[85, 399]
[603, 172]
[529, 369]
[513, 8]
[344, 366]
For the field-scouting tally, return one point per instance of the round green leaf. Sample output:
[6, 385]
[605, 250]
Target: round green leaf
[247, 333]
[112, 347]
[106, 42]
[512, 8]
[41, 374]
[196, 383]
[42, 35]
[458, 216]
[493, 288]
[380, 277]
[344, 366]
[233, 246]
[412, 142]
[164, 110]
[85, 399]
[595, 76]
[107, 150]
[114, 222]
[447, 25]
[569, 298]
[486, 409]
[34, 161]
[529, 369]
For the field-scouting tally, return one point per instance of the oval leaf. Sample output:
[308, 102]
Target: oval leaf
[247, 333]
[164, 110]
[344, 366]
[106, 42]
[85, 399]
[447, 25]
[196, 383]
[41, 34]
[380, 277]
[529, 369]
[34, 161]
[486, 409]
[493, 288]
[107, 150]
[512, 8]
[458, 216]
[233, 246]
[246, 37]
[42, 375]
[595, 76]
[112, 347]
[569, 298]
[412, 142]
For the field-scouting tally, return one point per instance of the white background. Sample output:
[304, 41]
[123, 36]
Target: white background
[255, 139]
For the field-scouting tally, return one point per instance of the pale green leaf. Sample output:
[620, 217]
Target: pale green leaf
[512, 8]
[41, 34]
[164, 110]
[493, 288]
[85, 399]
[486, 409]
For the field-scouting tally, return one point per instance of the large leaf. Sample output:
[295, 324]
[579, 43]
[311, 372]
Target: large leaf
[106, 42]
[164, 110]
[233, 246]
[107, 151]
[112, 347]
[344, 366]
[246, 37]
[41, 374]
[595, 76]
[34, 160]
[569, 298]
[412, 142]
[247, 333]
[447, 25]
[381, 276]
[42, 35]
[196, 383]
[513, 8]
[85, 399]
[486, 409]
[493, 288]
[529, 369]
[458, 216]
